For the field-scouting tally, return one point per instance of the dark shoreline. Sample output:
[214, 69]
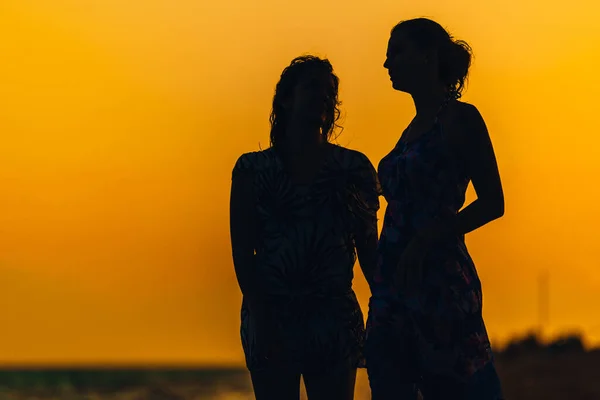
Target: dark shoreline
[528, 369]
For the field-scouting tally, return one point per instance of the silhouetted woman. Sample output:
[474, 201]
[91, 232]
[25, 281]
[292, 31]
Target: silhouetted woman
[301, 211]
[425, 329]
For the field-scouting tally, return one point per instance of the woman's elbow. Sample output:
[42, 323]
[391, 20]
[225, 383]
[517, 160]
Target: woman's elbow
[497, 209]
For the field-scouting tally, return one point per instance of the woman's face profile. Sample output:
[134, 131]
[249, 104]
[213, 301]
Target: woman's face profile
[405, 62]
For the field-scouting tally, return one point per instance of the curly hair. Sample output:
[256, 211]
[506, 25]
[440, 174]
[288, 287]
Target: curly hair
[290, 77]
[454, 55]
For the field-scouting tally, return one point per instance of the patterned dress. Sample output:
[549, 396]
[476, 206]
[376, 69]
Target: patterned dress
[436, 330]
[304, 260]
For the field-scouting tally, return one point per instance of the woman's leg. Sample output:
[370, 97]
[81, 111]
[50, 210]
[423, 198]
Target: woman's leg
[442, 388]
[483, 385]
[330, 384]
[391, 363]
[276, 384]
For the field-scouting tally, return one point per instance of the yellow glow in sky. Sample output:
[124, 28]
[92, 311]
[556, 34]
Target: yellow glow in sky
[120, 123]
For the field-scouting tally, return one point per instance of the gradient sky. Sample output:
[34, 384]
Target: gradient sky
[120, 122]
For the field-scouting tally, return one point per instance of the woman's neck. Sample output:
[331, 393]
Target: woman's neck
[299, 139]
[427, 102]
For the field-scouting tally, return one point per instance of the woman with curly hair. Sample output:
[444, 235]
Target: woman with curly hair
[301, 212]
[425, 330]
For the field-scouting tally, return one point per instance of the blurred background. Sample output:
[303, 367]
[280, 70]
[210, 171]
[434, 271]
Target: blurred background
[120, 122]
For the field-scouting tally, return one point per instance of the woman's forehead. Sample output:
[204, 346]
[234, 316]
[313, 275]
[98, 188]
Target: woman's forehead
[399, 40]
[402, 37]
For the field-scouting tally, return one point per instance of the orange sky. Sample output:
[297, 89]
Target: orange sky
[120, 122]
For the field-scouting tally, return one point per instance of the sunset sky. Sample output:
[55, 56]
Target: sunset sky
[120, 122]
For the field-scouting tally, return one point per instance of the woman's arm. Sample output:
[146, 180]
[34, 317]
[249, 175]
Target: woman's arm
[366, 237]
[482, 167]
[366, 250]
[242, 227]
[473, 146]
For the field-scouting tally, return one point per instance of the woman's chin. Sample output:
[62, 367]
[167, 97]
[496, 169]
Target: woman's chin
[398, 86]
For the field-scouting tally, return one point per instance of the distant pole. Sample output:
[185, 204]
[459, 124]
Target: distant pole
[543, 301]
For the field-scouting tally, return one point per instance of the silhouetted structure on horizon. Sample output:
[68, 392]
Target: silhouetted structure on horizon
[532, 344]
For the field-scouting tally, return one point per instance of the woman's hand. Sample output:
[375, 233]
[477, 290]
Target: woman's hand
[409, 272]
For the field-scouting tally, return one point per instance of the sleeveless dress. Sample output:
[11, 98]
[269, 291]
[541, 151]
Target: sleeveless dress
[304, 260]
[436, 331]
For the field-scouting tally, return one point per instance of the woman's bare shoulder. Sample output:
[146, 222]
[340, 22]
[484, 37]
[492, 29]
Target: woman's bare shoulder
[463, 120]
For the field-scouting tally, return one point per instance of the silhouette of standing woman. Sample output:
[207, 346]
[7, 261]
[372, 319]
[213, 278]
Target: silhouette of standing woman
[301, 211]
[425, 330]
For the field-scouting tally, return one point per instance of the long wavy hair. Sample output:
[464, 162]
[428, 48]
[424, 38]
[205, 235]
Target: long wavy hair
[291, 75]
[454, 56]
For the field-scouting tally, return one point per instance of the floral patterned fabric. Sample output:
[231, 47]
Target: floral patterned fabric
[305, 257]
[436, 329]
